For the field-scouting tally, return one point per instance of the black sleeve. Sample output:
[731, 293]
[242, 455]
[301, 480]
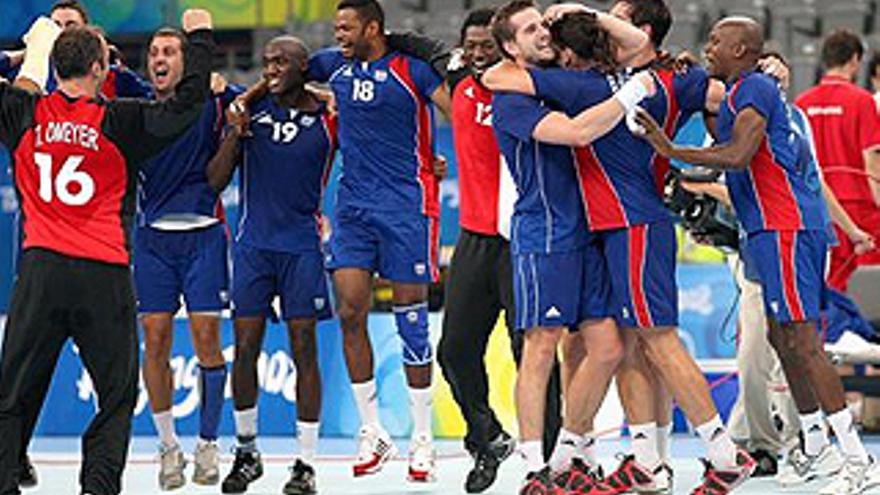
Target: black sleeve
[454, 77]
[17, 108]
[430, 50]
[142, 128]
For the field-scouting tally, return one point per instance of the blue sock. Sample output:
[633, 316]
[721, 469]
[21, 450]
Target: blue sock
[412, 326]
[212, 381]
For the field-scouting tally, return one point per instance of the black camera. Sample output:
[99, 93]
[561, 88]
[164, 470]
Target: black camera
[702, 215]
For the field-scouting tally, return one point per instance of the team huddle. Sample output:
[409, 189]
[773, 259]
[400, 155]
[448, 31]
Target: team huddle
[563, 123]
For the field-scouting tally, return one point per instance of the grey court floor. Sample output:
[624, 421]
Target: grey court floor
[57, 459]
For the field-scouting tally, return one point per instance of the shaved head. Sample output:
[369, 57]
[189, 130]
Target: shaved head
[291, 46]
[285, 61]
[735, 45]
[747, 31]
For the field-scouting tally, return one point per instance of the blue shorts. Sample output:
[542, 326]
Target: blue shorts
[559, 289]
[258, 275]
[194, 264]
[400, 247]
[791, 266]
[641, 262]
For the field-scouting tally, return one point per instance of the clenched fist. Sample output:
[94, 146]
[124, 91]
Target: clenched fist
[195, 19]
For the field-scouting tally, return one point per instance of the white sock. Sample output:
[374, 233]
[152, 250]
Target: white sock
[421, 400]
[587, 452]
[164, 422]
[721, 449]
[367, 402]
[815, 436]
[664, 436]
[847, 436]
[568, 446]
[531, 451]
[308, 440]
[644, 444]
[246, 423]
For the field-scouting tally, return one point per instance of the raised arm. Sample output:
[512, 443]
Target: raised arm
[442, 100]
[748, 132]
[629, 39]
[228, 156]
[144, 128]
[34, 71]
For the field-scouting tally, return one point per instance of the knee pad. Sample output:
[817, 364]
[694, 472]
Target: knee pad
[412, 326]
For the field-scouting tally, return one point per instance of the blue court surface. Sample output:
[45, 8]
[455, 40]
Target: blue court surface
[56, 460]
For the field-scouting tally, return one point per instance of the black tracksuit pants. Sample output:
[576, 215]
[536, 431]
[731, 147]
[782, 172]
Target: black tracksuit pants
[479, 286]
[55, 298]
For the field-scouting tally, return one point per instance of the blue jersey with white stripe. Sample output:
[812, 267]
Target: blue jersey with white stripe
[549, 215]
[386, 127]
[285, 167]
[174, 185]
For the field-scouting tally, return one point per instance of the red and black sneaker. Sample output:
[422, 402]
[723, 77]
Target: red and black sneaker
[579, 477]
[628, 476]
[722, 482]
[540, 483]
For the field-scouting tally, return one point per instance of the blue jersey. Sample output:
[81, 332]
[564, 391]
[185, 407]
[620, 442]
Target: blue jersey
[285, 168]
[614, 172]
[549, 214]
[173, 186]
[386, 127]
[777, 191]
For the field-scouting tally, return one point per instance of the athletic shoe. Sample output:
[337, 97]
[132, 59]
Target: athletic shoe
[302, 480]
[206, 460]
[171, 466]
[579, 477]
[246, 468]
[539, 483]
[768, 464]
[375, 449]
[630, 476]
[421, 460]
[799, 468]
[27, 474]
[724, 481]
[853, 348]
[854, 479]
[486, 463]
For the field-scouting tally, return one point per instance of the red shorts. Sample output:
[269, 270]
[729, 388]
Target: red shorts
[843, 259]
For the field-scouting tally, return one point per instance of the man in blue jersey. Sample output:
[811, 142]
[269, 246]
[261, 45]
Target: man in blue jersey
[284, 166]
[181, 251]
[627, 215]
[554, 257]
[387, 215]
[779, 204]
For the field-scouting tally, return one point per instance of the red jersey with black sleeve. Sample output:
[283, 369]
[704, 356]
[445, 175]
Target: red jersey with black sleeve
[75, 160]
[477, 156]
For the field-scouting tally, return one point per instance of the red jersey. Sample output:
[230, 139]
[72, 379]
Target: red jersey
[477, 156]
[75, 160]
[845, 123]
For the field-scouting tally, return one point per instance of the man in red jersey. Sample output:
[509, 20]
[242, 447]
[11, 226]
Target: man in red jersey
[75, 160]
[480, 281]
[846, 129]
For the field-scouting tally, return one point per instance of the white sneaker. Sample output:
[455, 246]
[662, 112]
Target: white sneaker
[375, 448]
[852, 348]
[206, 460]
[854, 478]
[799, 468]
[421, 460]
[171, 466]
